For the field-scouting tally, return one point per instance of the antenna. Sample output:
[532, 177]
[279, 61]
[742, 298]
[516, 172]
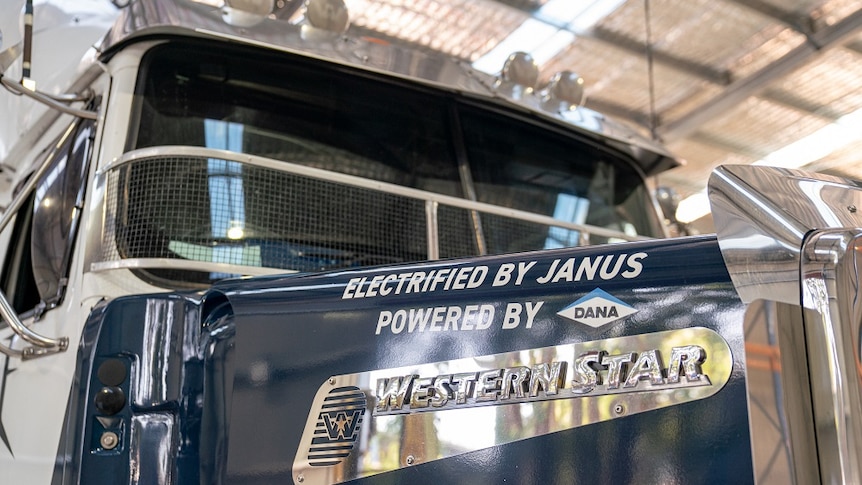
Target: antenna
[27, 86]
[26, 80]
[653, 117]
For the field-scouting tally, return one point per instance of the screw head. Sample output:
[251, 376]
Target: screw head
[109, 440]
[619, 409]
[411, 459]
[332, 381]
[300, 478]
[851, 208]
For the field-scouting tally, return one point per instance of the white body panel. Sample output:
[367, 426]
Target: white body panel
[35, 393]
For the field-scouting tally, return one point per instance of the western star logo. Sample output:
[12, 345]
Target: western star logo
[342, 425]
[337, 426]
[597, 308]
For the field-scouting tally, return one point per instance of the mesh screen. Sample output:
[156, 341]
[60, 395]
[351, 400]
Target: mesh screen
[221, 211]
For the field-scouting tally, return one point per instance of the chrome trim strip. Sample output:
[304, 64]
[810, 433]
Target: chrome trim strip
[352, 180]
[187, 264]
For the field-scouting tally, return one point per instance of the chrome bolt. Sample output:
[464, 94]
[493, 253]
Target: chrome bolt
[619, 409]
[300, 478]
[332, 380]
[851, 208]
[410, 459]
[109, 440]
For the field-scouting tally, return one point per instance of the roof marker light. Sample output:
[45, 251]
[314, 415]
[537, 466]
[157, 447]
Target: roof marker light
[519, 76]
[328, 15]
[246, 13]
[564, 92]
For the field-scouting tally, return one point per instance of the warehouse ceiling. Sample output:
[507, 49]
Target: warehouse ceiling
[718, 81]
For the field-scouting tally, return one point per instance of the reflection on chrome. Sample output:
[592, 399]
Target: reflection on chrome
[594, 372]
[831, 295]
[790, 241]
[418, 413]
[762, 215]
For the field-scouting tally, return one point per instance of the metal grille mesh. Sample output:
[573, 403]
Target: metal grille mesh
[211, 210]
[226, 212]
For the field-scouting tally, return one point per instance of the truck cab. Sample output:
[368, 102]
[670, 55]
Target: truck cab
[421, 307]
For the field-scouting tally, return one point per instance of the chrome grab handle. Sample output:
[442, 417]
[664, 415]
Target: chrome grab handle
[41, 345]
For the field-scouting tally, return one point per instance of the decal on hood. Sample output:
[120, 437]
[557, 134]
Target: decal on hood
[597, 308]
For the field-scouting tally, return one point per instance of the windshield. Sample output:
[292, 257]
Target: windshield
[297, 110]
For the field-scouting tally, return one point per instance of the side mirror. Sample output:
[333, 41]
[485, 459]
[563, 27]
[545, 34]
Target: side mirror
[668, 200]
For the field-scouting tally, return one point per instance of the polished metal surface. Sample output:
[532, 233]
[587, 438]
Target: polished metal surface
[162, 17]
[762, 215]
[358, 421]
[50, 101]
[783, 444]
[832, 297]
[790, 241]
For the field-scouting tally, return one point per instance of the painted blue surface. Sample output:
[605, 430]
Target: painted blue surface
[241, 426]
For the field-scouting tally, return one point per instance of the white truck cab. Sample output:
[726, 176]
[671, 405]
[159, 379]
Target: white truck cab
[423, 308]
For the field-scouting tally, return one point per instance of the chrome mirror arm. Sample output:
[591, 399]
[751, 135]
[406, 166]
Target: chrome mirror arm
[55, 102]
[33, 352]
[40, 341]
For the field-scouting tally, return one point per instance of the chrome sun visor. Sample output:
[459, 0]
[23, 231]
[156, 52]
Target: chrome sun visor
[763, 215]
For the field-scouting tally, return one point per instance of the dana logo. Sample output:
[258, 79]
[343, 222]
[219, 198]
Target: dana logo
[337, 427]
[597, 308]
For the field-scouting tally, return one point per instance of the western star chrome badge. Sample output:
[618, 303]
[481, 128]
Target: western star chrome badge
[356, 420]
[337, 427]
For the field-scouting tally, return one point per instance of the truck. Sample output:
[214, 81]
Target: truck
[242, 250]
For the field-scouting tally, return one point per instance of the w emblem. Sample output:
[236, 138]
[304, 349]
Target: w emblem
[342, 425]
[337, 427]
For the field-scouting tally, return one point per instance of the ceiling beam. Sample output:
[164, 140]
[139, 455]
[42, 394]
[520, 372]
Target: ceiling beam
[800, 23]
[814, 109]
[854, 46]
[741, 89]
[724, 144]
[719, 77]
